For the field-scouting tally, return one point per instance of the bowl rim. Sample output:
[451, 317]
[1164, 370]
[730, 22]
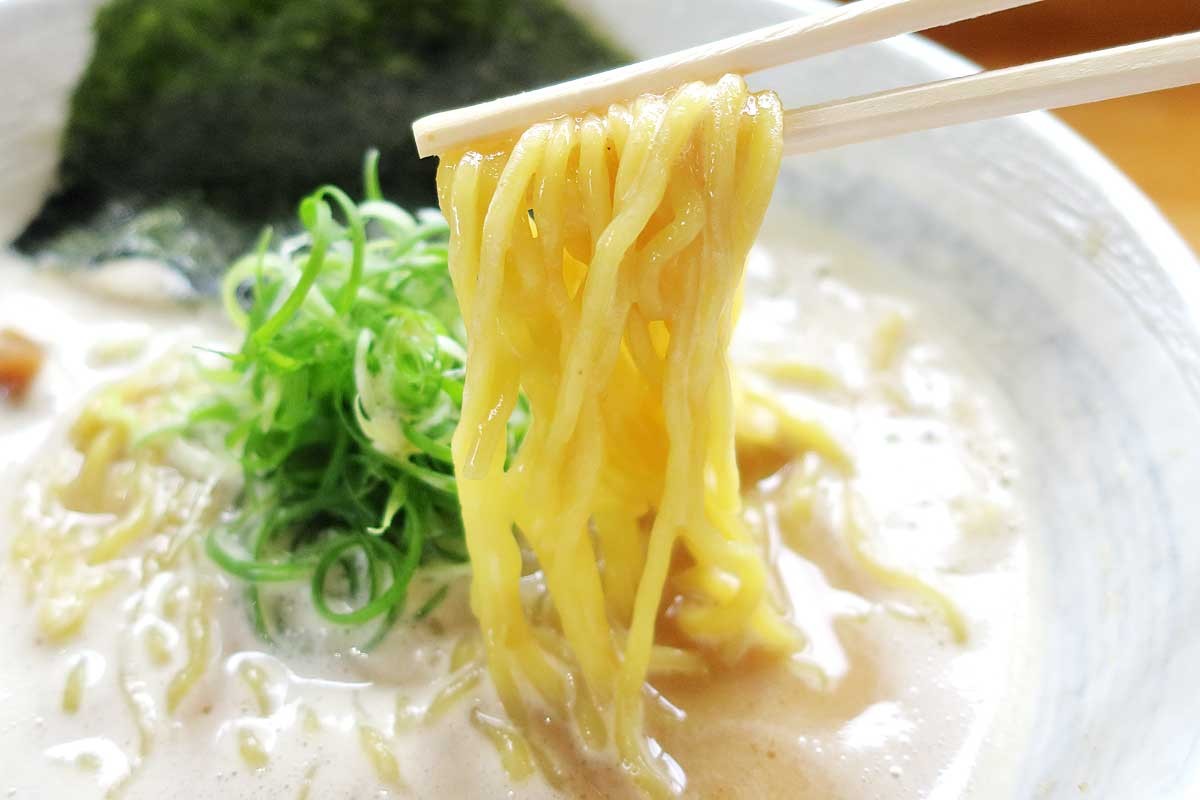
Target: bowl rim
[1151, 228]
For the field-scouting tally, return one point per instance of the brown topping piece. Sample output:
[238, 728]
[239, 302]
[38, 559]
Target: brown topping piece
[20, 360]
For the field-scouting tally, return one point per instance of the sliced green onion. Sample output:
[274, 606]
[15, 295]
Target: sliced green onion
[340, 405]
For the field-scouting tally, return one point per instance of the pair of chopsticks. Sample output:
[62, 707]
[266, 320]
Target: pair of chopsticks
[1073, 80]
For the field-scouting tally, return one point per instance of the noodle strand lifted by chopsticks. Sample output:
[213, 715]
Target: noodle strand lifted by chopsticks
[597, 262]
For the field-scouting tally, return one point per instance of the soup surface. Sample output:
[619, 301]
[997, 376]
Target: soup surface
[897, 548]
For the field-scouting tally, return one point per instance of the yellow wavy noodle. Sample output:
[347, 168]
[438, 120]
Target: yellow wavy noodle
[407, 715]
[118, 511]
[769, 433]
[377, 747]
[613, 314]
[309, 721]
[258, 683]
[454, 688]
[907, 580]
[251, 749]
[514, 752]
[810, 376]
[766, 428]
[75, 684]
[306, 783]
[198, 642]
[888, 340]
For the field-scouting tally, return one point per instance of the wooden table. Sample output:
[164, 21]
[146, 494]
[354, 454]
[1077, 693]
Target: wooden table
[1154, 138]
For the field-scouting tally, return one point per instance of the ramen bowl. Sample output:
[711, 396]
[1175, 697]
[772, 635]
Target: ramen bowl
[1060, 283]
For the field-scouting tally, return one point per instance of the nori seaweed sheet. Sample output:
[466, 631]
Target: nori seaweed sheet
[243, 106]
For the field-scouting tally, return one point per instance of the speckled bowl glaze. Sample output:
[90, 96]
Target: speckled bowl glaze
[1069, 291]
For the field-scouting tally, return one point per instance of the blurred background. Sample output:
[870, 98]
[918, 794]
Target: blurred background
[1153, 138]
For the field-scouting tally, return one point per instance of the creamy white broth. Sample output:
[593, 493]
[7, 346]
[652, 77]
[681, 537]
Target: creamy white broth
[92, 751]
[881, 703]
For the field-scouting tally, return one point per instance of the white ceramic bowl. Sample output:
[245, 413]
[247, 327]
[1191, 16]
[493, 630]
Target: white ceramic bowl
[1079, 301]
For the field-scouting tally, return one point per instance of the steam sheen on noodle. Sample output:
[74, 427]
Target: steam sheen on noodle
[597, 262]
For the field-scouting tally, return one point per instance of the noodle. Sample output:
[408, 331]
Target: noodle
[96, 524]
[378, 749]
[597, 263]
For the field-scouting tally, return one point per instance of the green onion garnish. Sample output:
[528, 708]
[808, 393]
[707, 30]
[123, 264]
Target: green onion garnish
[340, 405]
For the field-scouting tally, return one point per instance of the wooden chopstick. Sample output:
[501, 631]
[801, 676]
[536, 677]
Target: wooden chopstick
[1073, 80]
[857, 23]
